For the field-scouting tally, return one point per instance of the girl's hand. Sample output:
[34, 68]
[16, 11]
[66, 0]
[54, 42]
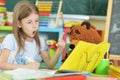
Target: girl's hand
[61, 43]
[33, 65]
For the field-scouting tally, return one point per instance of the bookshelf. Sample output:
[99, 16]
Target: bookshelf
[5, 28]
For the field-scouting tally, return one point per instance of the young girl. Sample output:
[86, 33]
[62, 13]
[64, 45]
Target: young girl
[24, 48]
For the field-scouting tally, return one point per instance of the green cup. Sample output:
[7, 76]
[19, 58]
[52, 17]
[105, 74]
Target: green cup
[103, 67]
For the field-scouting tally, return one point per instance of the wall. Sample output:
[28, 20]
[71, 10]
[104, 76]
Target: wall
[98, 21]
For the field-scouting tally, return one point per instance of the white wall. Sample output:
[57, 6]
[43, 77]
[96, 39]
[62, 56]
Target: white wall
[98, 21]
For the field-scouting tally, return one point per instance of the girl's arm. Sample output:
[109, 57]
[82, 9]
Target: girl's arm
[50, 62]
[7, 66]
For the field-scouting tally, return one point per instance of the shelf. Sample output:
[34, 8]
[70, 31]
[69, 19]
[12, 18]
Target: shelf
[47, 29]
[6, 28]
[42, 29]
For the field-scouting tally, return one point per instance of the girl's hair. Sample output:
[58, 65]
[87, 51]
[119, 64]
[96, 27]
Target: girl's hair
[22, 10]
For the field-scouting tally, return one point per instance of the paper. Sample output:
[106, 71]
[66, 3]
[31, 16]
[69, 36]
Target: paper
[4, 76]
[24, 73]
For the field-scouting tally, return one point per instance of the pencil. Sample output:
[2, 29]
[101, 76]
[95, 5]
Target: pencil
[107, 55]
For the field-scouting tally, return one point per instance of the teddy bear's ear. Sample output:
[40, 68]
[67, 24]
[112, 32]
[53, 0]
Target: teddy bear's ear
[87, 24]
[72, 26]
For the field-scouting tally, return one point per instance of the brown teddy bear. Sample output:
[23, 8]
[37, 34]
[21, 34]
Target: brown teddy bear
[84, 32]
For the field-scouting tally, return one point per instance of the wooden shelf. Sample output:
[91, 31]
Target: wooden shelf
[5, 28]
[47, 29]
[42, 29]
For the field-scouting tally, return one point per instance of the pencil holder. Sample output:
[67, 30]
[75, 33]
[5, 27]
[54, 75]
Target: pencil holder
[103, 67]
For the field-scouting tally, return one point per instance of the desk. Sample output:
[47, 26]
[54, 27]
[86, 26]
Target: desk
[46, 74]
[81, 77]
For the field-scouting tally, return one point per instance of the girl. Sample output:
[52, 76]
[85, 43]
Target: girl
[24, 48]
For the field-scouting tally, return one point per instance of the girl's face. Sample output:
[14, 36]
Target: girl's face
[30, 25]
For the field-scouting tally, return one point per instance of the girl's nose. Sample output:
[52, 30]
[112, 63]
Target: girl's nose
[35, 25]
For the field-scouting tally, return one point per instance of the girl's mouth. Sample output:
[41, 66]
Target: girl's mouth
[34, 32]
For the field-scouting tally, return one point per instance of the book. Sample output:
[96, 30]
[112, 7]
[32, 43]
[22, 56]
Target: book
[115, 68]
[72, 77]
[99, 78]
[24, 73]
[114, 74]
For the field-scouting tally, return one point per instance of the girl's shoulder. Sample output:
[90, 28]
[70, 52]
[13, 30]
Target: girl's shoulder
[9, 42]
[10, 36]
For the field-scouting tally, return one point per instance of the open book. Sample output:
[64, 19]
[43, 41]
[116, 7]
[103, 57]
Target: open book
[24, 73]
[85, 56]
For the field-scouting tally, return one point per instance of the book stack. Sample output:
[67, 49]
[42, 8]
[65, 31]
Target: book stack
[3, 14]
[114, 71]
[45, 10]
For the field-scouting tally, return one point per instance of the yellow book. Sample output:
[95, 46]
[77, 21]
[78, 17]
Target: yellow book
[85, 56]
[114, 68]
[2, 8]
[114, 74]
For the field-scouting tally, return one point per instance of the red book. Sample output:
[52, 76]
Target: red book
[71, 77]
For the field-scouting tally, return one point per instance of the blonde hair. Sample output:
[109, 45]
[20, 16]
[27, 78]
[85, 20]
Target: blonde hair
[22, 10]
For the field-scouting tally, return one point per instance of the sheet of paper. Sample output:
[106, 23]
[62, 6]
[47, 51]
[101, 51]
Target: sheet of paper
[23, 73]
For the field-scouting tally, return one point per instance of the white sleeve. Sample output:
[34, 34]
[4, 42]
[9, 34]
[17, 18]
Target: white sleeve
[8, 42]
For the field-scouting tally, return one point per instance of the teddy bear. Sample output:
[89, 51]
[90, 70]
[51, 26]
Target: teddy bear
[85, 32]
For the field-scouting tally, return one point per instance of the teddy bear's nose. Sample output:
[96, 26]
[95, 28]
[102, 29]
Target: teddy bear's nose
[72, 46]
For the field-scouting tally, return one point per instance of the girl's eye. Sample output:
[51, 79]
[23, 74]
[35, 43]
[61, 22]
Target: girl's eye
[37, 21]
[29, 22]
